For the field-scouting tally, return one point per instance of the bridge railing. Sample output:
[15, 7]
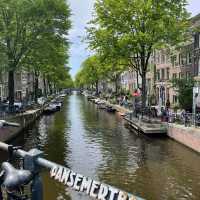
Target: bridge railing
[33, 161]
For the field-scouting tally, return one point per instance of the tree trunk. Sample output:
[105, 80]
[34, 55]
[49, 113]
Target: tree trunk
[54, 88]
[116, 84]
[36, 88]
[137, 76]
[143, 76]
[97, 89]
[50, 87]
[144, 94]
[45, 86]
[11, 90]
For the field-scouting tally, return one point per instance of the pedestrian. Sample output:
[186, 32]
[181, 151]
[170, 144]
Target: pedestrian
[163, 114]
[167, 104]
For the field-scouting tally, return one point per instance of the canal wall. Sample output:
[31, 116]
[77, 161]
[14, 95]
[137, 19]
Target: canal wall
[24, 120]
[189, 136]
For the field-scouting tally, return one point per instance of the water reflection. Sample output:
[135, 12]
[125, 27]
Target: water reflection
[96, 144]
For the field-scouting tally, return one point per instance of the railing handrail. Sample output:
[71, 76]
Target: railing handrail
[51, 166]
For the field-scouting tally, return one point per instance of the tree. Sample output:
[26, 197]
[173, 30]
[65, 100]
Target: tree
[131, 30]
[91, 72]
[23, 23]
[184, 87]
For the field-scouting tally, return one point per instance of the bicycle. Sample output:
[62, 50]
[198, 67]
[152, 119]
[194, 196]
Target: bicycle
[13, 181]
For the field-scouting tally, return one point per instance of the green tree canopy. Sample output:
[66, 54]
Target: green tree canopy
[184, 87]
[24, 24]
[131, 30]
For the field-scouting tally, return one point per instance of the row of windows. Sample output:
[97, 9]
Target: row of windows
[181, 75]
[183, 59]
[164, 74]
[176, 60]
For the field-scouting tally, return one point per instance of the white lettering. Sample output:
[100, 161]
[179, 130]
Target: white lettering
[113, 192]
[78, 178]
[70, 183]
[95, 186]
[122, 196]
[53, 171]
[103, 192]
[86, 184]
[65, 176]
[59, 174]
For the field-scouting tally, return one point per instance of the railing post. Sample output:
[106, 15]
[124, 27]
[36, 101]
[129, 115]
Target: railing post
[30, 164]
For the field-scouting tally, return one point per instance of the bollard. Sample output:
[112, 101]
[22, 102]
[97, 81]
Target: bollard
[31, 165]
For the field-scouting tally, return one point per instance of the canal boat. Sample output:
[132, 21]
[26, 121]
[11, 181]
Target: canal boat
[110, 109]
[102, 106]
[62, 96]
[90, 98]
[6, 123]
[52, 108]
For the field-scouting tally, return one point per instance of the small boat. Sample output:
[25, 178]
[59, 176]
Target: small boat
[51, 108]
[62, 96]
[57, 104]
[102, 106]
[90, 98]
[110, 109]
[6, 123]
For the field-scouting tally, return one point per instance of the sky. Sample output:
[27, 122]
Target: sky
[81, 15]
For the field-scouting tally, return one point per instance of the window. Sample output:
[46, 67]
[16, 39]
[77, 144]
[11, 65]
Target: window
[174, 61]
[175, 99]
[189, 58]
[162, 74]
[179, 59]
[162, 58]
[174, 76]
[187, 75]
[180, 75]
[167, 73]
[158, 74]
[183, 60]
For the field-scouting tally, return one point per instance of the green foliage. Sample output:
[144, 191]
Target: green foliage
[91, 71]
[184, 88]
[127, 32]
[33, 35]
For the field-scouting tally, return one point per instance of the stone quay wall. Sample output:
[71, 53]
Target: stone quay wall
[25, 119]
[189, 136]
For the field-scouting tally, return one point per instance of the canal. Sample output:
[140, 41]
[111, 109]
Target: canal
[97, 144]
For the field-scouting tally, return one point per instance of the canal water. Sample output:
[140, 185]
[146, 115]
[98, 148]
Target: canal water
[97, 144]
